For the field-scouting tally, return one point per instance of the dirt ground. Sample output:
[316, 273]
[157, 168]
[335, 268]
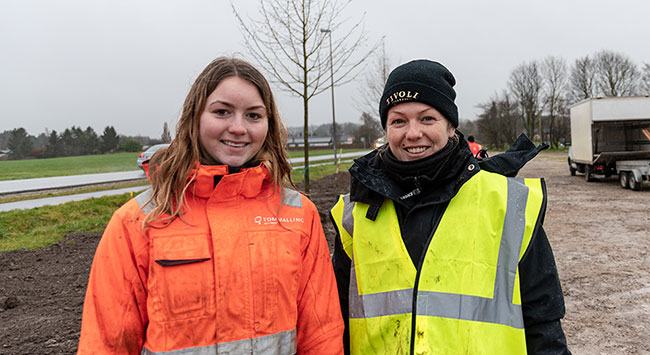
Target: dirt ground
[599, 232]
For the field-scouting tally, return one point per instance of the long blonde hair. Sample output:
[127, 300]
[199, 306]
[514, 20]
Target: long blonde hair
[170, 168]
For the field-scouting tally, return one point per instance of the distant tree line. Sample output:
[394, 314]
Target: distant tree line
[539, 94]
[73, 141]
[76, 141]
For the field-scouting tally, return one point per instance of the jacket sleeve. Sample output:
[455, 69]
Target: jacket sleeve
[542, 299]
[320, 327]
[114, 313]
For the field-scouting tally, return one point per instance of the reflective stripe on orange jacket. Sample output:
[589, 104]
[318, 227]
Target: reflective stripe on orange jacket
[249, 272]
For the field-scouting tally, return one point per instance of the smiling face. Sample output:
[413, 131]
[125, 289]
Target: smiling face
[416, 130]
[234, 122]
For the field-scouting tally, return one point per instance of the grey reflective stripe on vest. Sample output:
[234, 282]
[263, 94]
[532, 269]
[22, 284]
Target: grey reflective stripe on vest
[143, 198]
[348, 218]
[279, 343]
[291, 198]
[377, 304]
[498, 309]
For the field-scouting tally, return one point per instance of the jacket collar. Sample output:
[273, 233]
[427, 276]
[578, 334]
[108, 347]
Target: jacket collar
[371, 185]
[209, 179]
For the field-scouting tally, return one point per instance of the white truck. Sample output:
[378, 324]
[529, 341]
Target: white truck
[611, 136]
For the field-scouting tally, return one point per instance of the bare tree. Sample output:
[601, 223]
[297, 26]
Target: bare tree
[509, 116]
[488, 124]
[582, 81]
[166, 137]
[616, 74]
[369, 130]
[644, 84]
[373, 84]
[290, 41]
[554, 94]
[498, 124]
[526, 85]
[469, 127]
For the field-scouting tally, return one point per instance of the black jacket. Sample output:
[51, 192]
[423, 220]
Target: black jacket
[541, 293]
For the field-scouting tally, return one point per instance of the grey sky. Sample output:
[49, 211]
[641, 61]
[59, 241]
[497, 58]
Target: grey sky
[130, 63]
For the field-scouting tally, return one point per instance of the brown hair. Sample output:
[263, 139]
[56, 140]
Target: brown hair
[170, 168]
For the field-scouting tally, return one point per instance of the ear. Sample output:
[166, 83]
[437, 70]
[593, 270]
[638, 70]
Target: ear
[451, 130]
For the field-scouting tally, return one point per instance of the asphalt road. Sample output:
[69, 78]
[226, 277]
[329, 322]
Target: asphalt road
[39, 184]
[57, 200]
[57, 182]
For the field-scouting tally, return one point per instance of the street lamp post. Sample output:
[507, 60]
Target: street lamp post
[328, 31]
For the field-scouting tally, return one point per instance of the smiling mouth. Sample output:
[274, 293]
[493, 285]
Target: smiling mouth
[233, 144]
[415, 150]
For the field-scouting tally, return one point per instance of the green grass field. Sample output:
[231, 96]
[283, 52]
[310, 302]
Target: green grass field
[85, 164]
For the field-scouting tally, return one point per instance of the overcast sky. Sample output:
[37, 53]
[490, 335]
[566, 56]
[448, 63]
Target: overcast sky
[130, 63]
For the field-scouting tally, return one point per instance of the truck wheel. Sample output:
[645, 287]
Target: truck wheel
[634, 185]
[588, 175]
[571, 169]
[624, 179]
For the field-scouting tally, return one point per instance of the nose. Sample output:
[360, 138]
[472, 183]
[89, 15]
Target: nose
[237, 124]
[413, 132]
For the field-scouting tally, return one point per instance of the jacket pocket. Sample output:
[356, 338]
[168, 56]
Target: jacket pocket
[179, 262]
[275, 260]
[183, 276]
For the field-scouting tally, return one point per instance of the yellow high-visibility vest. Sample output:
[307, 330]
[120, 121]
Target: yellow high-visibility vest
[465, 296]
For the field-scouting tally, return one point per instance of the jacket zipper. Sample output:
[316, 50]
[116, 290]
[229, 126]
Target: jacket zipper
[417, 281]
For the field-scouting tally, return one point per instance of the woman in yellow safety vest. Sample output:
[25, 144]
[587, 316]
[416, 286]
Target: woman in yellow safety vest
[436, 254]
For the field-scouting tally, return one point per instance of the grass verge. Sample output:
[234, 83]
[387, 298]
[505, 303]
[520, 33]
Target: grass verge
[42, 226]
[318, 172]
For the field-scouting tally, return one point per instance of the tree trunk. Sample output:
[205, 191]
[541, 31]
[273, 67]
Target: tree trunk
[305, 101]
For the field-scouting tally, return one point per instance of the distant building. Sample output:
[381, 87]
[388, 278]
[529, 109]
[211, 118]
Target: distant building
[313, 141]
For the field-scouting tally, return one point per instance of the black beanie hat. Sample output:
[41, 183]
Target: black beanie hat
[422, 81]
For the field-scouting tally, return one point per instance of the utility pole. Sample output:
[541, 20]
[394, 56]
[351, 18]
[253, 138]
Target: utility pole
[328, 31]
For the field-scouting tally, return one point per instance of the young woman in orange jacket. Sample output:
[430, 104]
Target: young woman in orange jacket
[221, 255]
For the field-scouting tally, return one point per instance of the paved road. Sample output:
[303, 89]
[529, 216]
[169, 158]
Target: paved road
[26, 185]
[57, 182]
[27, 204]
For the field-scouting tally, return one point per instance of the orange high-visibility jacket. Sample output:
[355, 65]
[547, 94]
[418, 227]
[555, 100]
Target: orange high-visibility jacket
[475, 148]
[249, 272]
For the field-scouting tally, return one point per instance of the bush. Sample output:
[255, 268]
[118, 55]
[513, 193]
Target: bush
[130, 146]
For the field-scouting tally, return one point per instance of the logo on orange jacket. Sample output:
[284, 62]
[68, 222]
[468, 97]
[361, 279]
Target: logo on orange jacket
[274, 220]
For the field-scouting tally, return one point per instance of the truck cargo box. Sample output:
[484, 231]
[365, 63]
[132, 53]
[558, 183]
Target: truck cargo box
[607, 129]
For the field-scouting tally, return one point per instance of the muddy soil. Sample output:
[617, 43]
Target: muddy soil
[599, 232]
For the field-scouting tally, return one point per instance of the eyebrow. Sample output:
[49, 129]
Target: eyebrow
[228, 104]
[417, 113]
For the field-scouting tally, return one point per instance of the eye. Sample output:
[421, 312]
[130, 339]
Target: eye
[221, 112]
[397, 121]
[255, 116]
[428, 119]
